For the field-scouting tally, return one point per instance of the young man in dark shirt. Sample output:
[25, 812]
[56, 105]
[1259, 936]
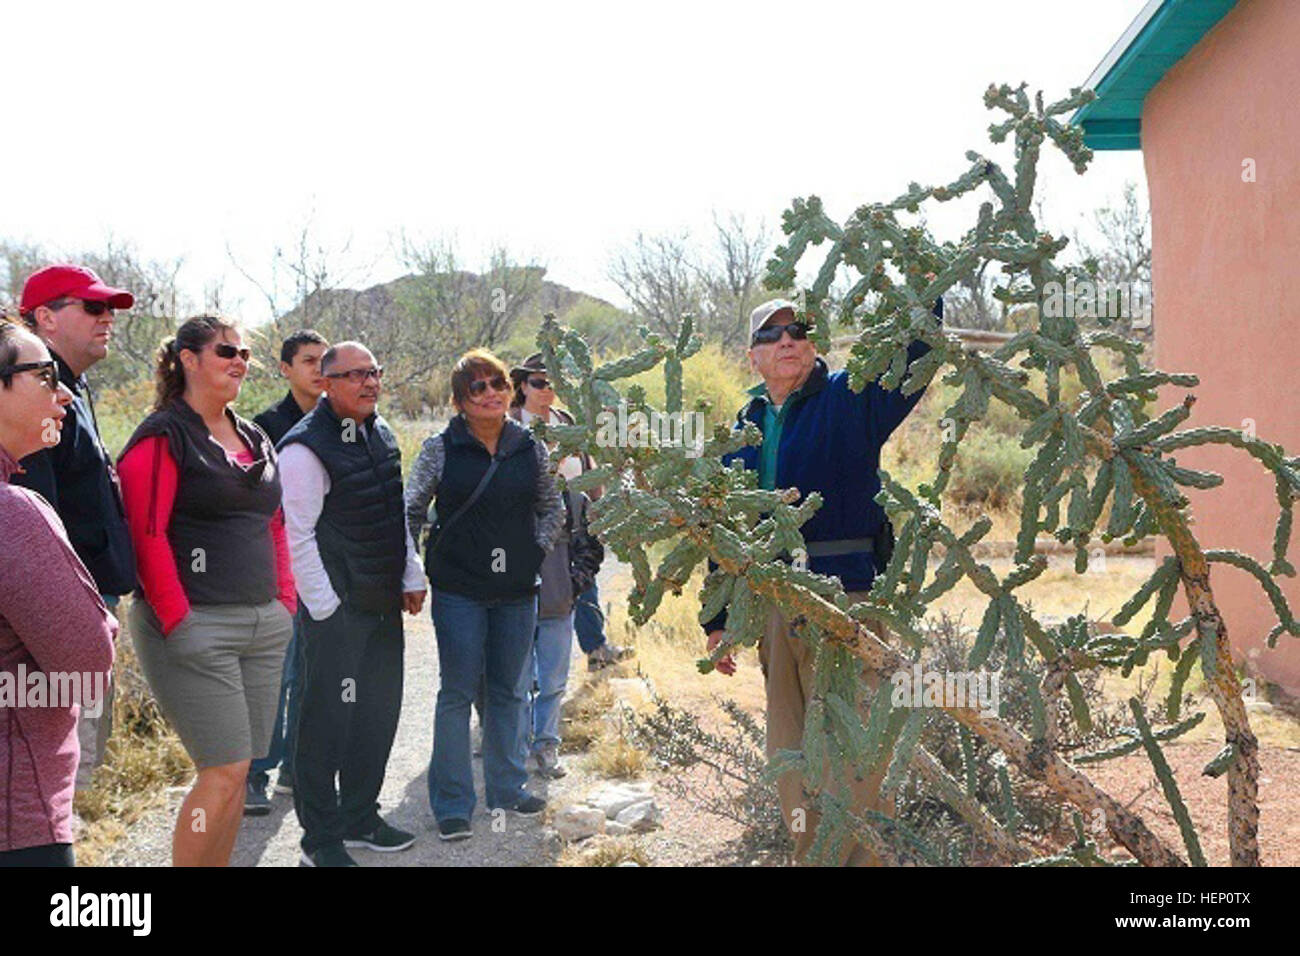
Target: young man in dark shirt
[300, 356]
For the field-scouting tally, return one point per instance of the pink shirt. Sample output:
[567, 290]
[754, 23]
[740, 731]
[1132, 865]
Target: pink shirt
[52, 623]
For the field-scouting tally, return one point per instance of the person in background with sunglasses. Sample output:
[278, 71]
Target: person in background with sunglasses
[214, 611]
[52, 620]
[568, 576]
[300, 358]
[535, 396]
[498, 514]
[72, 311]
[818, 435]
[357, 570]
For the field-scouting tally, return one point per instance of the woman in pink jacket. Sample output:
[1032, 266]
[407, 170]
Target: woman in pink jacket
[56, 635]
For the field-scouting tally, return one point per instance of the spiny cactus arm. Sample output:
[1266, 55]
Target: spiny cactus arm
[1271, 456]
[1035, 761]
[1083, 852]
[1286, 622]
[1006, 847]
[1120, 750]
[1221, 682]
[1168, 784]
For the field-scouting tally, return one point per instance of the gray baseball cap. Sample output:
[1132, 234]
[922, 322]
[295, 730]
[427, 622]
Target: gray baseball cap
[763, 314]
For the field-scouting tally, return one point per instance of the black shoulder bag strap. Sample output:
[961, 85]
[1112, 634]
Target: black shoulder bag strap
[469, 502]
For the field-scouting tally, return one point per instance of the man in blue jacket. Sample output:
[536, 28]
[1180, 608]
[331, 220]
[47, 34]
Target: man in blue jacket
[819, 436]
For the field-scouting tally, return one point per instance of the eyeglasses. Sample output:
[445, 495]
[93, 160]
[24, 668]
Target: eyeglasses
[479, 386]
[539, 383]
[47, 372]
[766, 336]
[92, 306]
[359, 375]
[227, 351]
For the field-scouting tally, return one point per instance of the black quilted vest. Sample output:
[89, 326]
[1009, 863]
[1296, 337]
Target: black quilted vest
[220, 527]
[490, 553]
[361, 532]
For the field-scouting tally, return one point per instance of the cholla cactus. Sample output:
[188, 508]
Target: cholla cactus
[664, 492]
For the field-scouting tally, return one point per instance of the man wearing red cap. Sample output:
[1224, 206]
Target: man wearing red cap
[71, 309]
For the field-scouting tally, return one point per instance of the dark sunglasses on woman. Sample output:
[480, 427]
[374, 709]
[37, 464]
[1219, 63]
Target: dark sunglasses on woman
[227, 351]
[772, 333]
[539, 383]
[47, 372]
[480, 385]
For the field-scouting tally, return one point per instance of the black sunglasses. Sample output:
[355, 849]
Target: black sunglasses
[48, 372]
[539, 383]
[479, 386]
[772, 333]
[92, 306]
[359, 375]
[227, 351]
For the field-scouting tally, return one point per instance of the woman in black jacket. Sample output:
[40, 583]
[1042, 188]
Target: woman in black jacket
[498, 513]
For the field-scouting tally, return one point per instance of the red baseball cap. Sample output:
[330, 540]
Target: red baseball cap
[77, 282]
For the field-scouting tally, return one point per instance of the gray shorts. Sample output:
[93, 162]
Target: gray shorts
[216, 677]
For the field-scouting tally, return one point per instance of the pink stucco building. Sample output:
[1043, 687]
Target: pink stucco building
[1209, 90]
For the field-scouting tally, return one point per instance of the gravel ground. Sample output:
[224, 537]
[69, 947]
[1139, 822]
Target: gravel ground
[273, 840]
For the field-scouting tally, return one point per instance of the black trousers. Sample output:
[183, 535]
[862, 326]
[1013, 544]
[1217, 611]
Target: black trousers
[351, 666]
[48, 854]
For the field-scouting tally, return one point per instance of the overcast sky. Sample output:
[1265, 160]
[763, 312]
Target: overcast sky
[559, 129]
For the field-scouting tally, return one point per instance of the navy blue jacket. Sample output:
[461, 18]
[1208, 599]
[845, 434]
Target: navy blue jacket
[830, 443]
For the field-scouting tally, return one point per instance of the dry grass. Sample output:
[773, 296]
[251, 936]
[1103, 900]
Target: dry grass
[144, 758]
[615, 756]
[589, 724]
[604, 851]
[582, 716]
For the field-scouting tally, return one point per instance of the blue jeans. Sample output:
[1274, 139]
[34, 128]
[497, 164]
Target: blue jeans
[283, 743]
[588, 620]
[552, 648]
[488, 639]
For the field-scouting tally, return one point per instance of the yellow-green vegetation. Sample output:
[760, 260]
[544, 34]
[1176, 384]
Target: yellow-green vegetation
[144, 758]
[615, 756]
[604, 851]
[582, 715]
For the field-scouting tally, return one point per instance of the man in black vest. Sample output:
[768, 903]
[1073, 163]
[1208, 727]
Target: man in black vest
[71, 310]
[300, 356]
[356, 569]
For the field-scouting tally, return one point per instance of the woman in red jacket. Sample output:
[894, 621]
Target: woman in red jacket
[53, 624]
[202, 494]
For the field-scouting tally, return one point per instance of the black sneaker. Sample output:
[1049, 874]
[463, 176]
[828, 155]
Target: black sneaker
[529, 806]
[256, 803]
[332, 855]
[454, 829]
[382, 839]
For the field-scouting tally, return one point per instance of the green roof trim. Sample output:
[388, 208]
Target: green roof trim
[1159, 37]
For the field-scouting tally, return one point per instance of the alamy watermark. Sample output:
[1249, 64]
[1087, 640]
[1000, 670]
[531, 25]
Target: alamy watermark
[61, 689]
[918, 687]
[654, 429]
[1084, 299]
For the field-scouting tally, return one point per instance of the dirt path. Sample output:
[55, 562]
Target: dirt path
[273, 840]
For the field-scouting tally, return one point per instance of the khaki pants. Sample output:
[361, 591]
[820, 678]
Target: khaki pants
[788, 673]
